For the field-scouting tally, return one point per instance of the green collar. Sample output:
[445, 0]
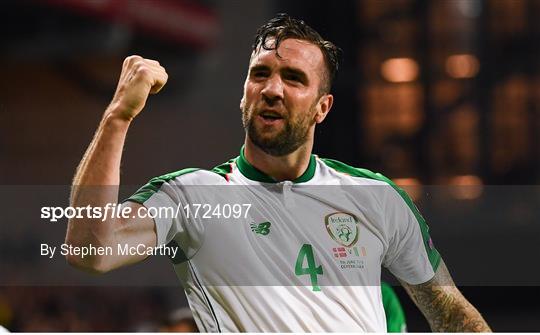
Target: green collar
[253, 173]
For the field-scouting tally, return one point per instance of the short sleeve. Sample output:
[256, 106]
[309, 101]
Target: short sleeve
[164, 198]
[411, 255]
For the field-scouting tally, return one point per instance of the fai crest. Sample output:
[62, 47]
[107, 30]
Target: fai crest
[342, 227]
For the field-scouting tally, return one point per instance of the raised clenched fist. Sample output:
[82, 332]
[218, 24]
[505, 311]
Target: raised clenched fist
[139, 78]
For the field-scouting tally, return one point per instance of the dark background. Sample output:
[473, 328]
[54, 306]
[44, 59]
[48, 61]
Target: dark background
[444, 92]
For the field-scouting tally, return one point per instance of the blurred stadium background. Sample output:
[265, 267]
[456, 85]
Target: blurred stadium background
[445, 92]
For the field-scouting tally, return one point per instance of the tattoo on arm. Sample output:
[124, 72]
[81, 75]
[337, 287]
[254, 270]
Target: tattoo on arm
[445, 308]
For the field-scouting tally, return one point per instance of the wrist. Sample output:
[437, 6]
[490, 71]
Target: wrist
[121, 111]
[115, 120]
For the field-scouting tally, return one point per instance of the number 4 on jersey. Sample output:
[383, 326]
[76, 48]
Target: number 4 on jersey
[306, 252]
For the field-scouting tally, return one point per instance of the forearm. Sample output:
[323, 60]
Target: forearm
[96, 184]
[443, 305]
[447, 310]
[100, 164]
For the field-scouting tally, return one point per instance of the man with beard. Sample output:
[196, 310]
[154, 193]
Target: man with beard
[293, 255]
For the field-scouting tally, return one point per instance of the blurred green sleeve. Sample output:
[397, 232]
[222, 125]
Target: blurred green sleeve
[395, 317]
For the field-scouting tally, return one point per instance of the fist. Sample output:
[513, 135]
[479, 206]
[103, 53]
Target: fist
[139, 78]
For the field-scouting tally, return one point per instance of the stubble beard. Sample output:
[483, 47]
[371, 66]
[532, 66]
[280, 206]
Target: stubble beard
[289, 139]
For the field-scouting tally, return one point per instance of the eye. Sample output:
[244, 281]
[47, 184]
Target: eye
[294, 78]
[259, 74]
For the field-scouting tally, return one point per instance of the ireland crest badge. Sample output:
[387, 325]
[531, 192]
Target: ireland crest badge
[342, 227]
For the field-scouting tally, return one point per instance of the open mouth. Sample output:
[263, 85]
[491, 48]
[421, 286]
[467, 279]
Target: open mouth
[271, 116]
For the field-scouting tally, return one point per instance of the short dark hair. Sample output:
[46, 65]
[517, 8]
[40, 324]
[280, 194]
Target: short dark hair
[283, 27]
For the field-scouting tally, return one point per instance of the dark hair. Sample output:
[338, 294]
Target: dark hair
[283, 27]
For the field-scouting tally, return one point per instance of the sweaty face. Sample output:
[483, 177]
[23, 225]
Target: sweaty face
[281, 95]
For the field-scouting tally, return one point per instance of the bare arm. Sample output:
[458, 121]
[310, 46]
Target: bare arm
[443, 305]
[97, 177]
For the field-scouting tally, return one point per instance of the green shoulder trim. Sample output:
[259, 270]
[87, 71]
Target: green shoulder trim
[433, 254]
[395, 316]
[145, 192]
[224, 169]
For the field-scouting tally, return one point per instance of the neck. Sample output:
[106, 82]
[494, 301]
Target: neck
[288, 167]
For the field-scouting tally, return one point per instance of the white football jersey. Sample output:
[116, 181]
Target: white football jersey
[294, 256]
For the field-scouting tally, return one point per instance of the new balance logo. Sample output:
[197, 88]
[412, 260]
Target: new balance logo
[261, 228]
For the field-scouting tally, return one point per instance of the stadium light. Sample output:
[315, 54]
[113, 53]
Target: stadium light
[462, 66]
[466, 187]
[399, 70]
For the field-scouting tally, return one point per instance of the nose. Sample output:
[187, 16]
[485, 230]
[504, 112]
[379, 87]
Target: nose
[273, 89]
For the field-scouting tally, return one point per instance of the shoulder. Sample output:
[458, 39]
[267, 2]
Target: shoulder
[188, 176]
[350, 175]
[346, 171]
[197, 176]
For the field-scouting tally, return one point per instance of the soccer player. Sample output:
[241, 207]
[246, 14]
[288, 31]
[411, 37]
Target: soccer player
[300, 257]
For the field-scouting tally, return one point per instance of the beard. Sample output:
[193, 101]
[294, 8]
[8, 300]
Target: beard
[287, 140]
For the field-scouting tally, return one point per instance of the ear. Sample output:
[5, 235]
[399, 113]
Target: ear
[324, 106]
